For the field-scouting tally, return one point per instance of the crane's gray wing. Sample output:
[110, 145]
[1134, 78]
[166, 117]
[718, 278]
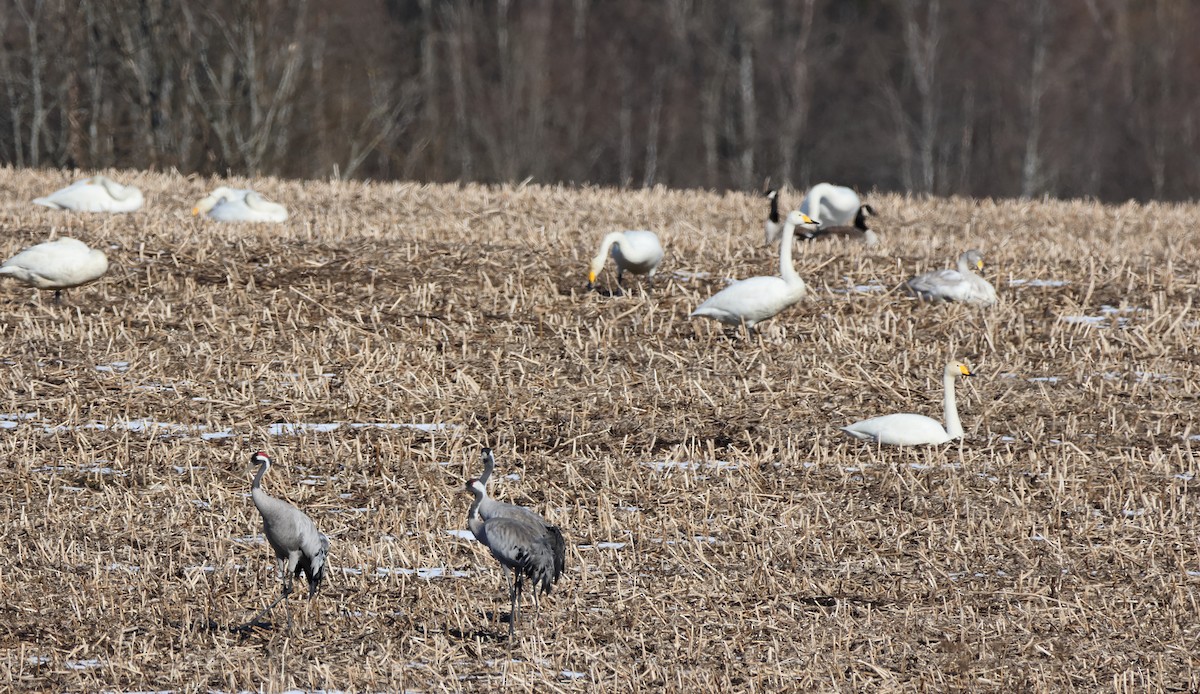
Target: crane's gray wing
[526, 548]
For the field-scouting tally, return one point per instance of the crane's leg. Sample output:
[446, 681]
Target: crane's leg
[508, 581]
[289, 570]
[263, 611]
[620, 289]
[57, 296]
[287, 590]
[515, 607]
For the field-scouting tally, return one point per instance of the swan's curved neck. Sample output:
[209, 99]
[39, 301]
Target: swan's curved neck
[953, 425]
[611, 239]
[114, 190]
[814, 206]
[786, 270]
[964, 266]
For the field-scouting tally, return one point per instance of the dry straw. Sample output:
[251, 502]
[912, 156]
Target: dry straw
[724, 536]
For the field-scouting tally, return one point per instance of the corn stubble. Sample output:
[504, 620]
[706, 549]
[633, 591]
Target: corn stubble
[723, 535]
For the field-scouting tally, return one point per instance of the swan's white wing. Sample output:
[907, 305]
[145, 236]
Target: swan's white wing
[90, 196]
[248, 207]
[899, 430]
[750, 300]
[642, 253]
[61, 263]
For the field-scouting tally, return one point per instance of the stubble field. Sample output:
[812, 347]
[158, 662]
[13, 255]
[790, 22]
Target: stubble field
[723, 535]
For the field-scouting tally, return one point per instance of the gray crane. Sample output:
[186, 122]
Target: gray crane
[518, 538]
[299, 546]
[491, 508]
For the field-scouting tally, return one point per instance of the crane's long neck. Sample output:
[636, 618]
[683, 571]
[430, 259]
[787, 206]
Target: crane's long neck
[258, 476]
[485, 505]
[266, 504]
[489, 464]
[953, 425]
[474, 520]
[774, 216]
[860, 219]
[786, 270]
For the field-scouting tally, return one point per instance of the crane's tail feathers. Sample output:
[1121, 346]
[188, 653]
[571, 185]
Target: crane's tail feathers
[314, 571]
[559, 545]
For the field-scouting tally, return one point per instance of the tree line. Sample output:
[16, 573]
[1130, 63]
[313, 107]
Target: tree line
[1064, 98]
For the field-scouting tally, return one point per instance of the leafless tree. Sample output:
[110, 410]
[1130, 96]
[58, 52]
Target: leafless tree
[1085, 97]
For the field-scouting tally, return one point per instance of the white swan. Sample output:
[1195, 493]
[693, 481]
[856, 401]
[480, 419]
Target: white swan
[773, 227]
[955, 285]
[916, 429]
[237, 205]
[831, 205]
[759, 298]
[858, 232]
[636, 251]
[58, 265]
[95, 194]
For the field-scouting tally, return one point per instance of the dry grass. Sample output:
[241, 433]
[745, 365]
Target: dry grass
[1053, 550]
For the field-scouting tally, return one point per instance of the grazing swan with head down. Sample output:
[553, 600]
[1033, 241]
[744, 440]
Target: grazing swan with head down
[955, 285]
[759, 298]
[916, 429]
[858, 232]
[831, 205]
[636, 251]
[59, 264]
[95, 194]
[236, 205]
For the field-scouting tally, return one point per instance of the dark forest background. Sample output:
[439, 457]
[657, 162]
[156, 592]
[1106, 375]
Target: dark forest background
[975, 97]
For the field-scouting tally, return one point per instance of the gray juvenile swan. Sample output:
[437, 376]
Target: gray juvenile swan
[961, 284]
